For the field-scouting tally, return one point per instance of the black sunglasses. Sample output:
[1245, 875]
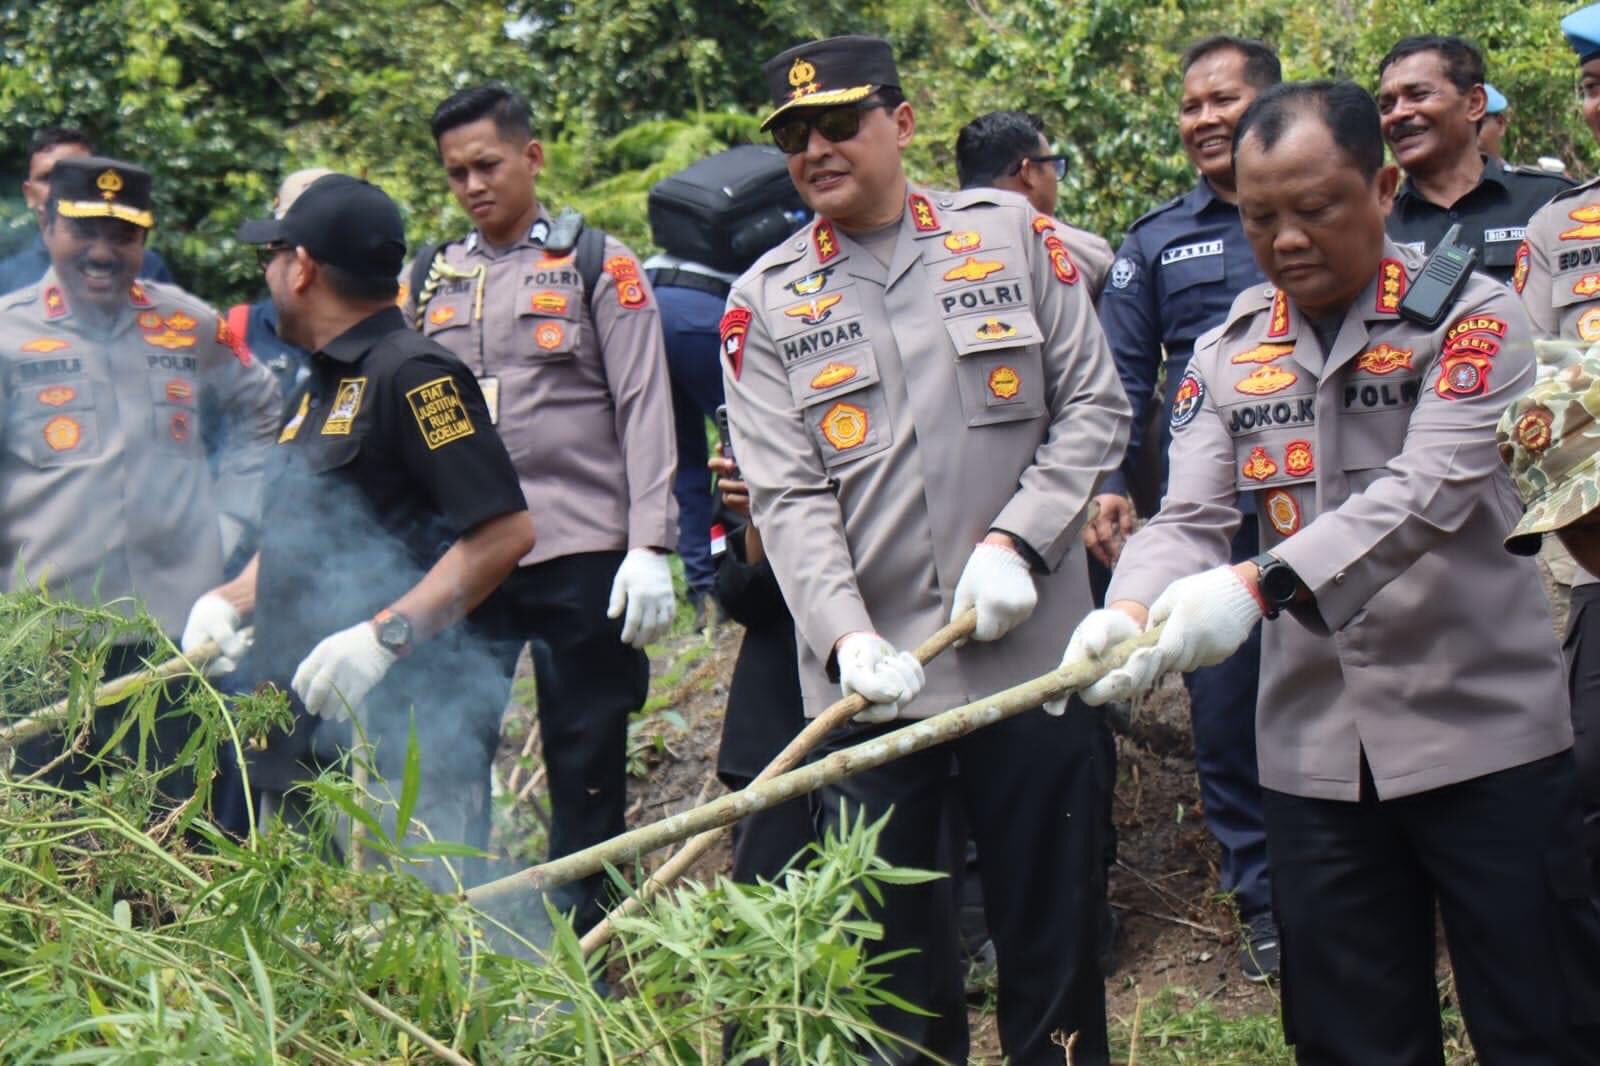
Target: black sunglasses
[1057, 162]
[835, 123]
[266, 253]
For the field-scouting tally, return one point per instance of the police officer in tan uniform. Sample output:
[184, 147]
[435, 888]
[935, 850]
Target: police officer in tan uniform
[1412, 724]
[575, 376]
[1008, 150]
[113, 390]
[922, 403]
[1558, 275]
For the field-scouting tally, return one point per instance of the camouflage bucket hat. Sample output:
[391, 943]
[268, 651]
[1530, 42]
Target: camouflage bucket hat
[1550, 440]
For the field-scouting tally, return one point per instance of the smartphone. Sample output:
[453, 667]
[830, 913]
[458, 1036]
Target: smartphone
[722, 431]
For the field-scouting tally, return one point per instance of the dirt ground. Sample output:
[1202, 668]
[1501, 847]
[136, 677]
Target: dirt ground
[1175, 930]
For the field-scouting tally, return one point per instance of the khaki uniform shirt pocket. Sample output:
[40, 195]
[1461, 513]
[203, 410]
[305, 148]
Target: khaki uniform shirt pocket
[1190, 265]
[447, 314]
[843, 405]
[327, 454]
[1500, 246]
[999, 366]
[175, 405]
[1576, 299]
[550, 324]
[54, 424]
[1279, 457]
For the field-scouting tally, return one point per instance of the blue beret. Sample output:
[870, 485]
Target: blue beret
[1497, 99]
[1582, 29]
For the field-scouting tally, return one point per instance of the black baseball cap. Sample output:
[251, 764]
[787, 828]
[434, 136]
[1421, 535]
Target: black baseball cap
[836, 70]
[342, 221]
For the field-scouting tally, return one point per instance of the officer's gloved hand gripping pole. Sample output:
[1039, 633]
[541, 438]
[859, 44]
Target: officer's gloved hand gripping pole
[836, 715]
[54, 715]
[1072, 676]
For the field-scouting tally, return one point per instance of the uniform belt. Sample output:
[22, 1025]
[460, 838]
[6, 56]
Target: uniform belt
[662, 277]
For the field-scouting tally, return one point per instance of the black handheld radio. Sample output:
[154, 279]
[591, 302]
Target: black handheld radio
[1444, 272]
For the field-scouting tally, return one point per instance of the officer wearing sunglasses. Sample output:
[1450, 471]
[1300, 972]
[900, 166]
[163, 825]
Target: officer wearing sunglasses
[922, 404]
[1008, 150]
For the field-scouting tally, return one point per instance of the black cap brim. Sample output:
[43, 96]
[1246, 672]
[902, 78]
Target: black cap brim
[261, 230]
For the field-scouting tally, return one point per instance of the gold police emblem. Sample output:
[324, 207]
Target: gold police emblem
[1266, 380]
[1283, 512]
[973, 269]
[1263, 353]
[62, 434]
[844, 426]
[109, 183]
[994, 330]
[833, 374]
[1004, 382]
[1589, 324]
[802, 76]
[1259, 466]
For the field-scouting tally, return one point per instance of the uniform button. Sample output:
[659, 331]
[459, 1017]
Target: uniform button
[800, 245]
[945, 201]
[1455, 215]
[1338, 579]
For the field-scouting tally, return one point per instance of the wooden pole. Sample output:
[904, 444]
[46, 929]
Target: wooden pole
[907, 740]
[798, 748]
[110, 692]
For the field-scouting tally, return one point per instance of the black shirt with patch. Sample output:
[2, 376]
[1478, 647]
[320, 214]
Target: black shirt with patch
[1492, 216]
[387, 461]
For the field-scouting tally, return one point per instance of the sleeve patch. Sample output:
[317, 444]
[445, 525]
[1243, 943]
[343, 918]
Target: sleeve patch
[440, 414]
[1186, 403]
[735, 328]
[1066, 271]
[1519, 275]
[624, 270]
[231, 341]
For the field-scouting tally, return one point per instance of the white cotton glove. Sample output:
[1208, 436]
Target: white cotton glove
[996, 581]
[1207, 616]
[214, 619]
[340, 671]
[1098, 633]
[643, 586]
[871, 668]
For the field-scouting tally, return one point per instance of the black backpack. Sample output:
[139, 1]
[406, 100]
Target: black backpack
[727, 209]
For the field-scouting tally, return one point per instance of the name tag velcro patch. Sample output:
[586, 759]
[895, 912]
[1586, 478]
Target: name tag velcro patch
[1191, 251]
[440, 414]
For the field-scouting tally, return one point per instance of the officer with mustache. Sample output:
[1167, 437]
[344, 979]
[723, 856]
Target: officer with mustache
[135, 431]
[1433, 103]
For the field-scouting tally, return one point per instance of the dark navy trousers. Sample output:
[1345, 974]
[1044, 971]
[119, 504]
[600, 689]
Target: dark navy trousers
[689, 322]
[1222, 702]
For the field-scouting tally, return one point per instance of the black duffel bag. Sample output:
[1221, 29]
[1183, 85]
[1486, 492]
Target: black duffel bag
[727, 209]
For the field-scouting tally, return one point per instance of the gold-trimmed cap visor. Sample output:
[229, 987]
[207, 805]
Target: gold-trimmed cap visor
[79, 209]
[823, 99]
[838, 70]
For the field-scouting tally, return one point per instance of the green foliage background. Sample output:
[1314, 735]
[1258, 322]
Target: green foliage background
[222, 99]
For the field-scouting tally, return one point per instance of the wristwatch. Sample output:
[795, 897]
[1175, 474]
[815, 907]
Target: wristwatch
[394, 631]
[1278, 582]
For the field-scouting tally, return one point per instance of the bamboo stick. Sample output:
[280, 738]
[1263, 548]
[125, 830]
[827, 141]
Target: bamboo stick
[907, 740]
[110, 692]
[796, 750]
